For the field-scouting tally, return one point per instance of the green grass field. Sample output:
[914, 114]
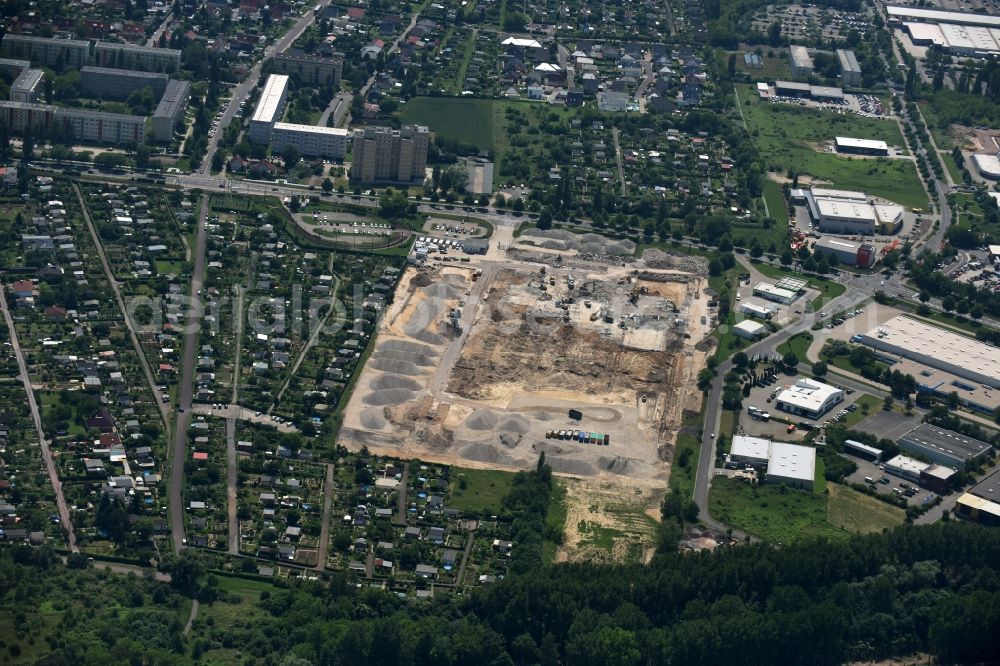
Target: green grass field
[859, 513]
[789, 136]
[555, 521]
[466, 120]
[771, 512]
[776, 207]
[828, 288]
[483, 492]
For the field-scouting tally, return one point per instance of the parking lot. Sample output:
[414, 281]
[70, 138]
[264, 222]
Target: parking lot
[763, 397]
[888, 484]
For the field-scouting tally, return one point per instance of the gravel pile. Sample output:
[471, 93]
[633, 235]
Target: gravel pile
[395, 396]
[482, 419]
[560, 239]
[516, 423]
[385, 382]
[372, 418]
[395, 366]
[488, 453]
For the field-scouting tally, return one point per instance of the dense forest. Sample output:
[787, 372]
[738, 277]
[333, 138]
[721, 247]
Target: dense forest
[932, 589]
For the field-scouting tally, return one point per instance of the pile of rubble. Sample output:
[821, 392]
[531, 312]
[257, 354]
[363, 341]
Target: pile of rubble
[595, 244]
[654, 258]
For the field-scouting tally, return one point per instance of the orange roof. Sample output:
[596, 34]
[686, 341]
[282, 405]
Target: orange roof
[200, 455]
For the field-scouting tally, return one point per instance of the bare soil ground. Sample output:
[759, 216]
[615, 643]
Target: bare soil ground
[478, 372]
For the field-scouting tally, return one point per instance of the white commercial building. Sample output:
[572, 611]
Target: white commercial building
[800, 61]
[755, 309]
[848, 212]
[750, 330]
[906, 467]
[938, 348]
[899, 14]
[310, 140]
[790, 464]
[988, 165]
[772, 293]
[846, 144]
[750, 450]
[808, 397]
[850, 70]
[269, 109]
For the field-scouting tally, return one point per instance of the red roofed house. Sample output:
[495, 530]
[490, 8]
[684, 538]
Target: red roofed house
[200, 455]
[110, 439]
[356, 13]
[55, 313]
[23, 288]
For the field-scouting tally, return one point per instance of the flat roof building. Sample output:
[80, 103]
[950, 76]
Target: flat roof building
[945, 447]
[171, 108]
[977, 509]
[792, 89]
[988, 487]
[800, 61]
[269, 109]
[748, 450]
[847, 212]
[906, 467]
[111, 83]
[861, 450]
[808, 397]
[480, 175]
[846, 144]
[847, 252]
[27, 86]
[755, 309]
[81, 124]
[850, 70]
[383, 154]
[310, 140]
[792, 465]
[899, 14]
[750, 330]
[773, 293]
[310, 69]
[55, 53]
[938, 348]
[136, 56]
[988, 165]
[13, 66]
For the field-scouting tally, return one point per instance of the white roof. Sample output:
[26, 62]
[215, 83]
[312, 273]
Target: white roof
[774, 291]
[521, 42]
[926, 32]
[914, 336]
[988, 164]
[826, 193]
[749, 326]
[270, 98]
[995, 249]
[942, 16]
[547, 67]
[750, 447]
[984, 505]
[791, 461]
[311, 129]
[907, 464]
[845, 209]
[752, 306]
[829, 243]
[869, 144]
[808, 394]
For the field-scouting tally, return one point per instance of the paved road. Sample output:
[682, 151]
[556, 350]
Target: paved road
[338, 107]
[126, 569]
[155, 37]
[36, 416]
[192, 327]
[191, 619]
[242, 89]
[231, 469]
[324, 530]
[713, 403]
[465, 558]
[618, 158]
[147, 370]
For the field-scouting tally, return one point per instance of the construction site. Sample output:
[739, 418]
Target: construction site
[491, 363]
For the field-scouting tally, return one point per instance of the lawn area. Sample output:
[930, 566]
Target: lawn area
[774, 68]
[867, 405]
[798, 344]
[479, 490]
[467, 120]
[791, 136]
[859, 513]
[949, 163]
[248, 589]
[772, 511]
[820, 478]
[687, 450]
[776, 207]
[555, 520]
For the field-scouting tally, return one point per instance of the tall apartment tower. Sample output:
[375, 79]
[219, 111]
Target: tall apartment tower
[386, 155]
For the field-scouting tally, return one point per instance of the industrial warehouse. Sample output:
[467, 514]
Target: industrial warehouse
[982, 502]
[988, 165]
[849, 145]
[936, 347]
[847, 252]
[847, 212]
[945, 447]
[789, 464]
[808, 397]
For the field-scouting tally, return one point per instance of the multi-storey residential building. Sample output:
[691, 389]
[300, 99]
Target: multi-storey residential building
[170, 109]
[310, 69]
[119, 83]
[383, 154]
[79, 124]
[269, 109]
[55, 53]
[27, 87]
[313, 141]
[133, 56]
